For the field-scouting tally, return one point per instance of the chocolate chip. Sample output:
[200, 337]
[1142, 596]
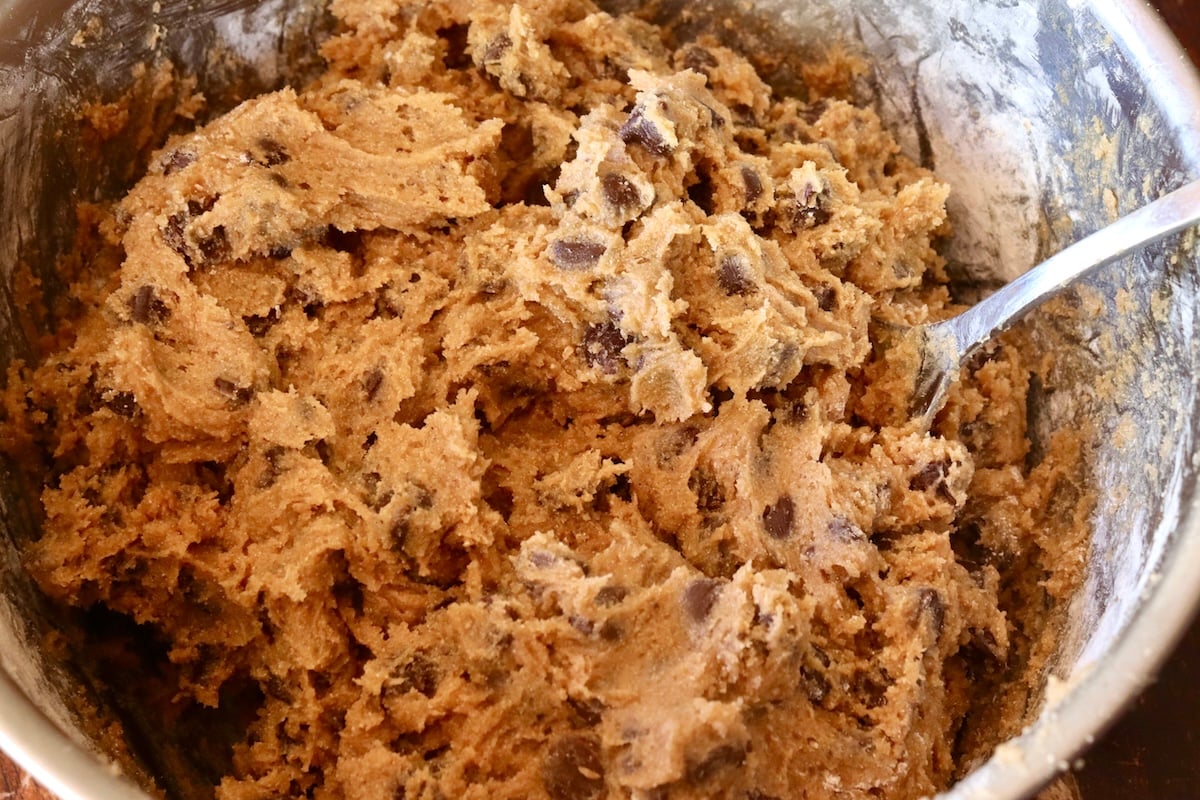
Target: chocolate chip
[496, 49]
[795, 412]
[527, 86]
[611, 595]
[123, 404]
[620, 193]
[279, 252]
[492, 287]
[745, 115]
[753, 184]
[419, 674]
[809, 209]
[983, 644]
[640, 130]
[810, 216]
[764, 618]
[321, 683]
[581, 624]
[573, 769]
[980, 357]
[726, 755]
[422, 497]
[380, 501]
[384, 307]
[934, 476]
[611, 631]
[813, 679]
[371, 383]
[88, 399]
[826, 297]
[816, 686]
[710, 494]
[589, 711]
[929, 476]
[602, 345]
[783, 365]
[779, 518]
[676, 442]
[733, 274]
[699, 597]
[146, 308]
[376, 500]
[576, 254]
[930, 606]
[542, 559]
[437, 752]
[398, 533]
[813, 112]
[215, 246]
[177, 160]
[698, 59]
[844, 530]
[277, 687]
[273, 153]
[969, 548]
[872, 688]
[240, 395]
[272, 470]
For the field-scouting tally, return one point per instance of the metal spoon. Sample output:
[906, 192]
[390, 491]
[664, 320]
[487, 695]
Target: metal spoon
[942, 347]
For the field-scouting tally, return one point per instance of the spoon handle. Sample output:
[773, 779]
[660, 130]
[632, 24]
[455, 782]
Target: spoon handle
[1168, 214]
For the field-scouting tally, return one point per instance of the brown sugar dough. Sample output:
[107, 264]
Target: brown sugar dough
[499, 405]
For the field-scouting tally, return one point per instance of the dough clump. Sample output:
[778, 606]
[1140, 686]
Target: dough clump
[503, 408]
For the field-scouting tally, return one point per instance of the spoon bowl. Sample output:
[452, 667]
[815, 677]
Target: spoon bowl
[933, 353]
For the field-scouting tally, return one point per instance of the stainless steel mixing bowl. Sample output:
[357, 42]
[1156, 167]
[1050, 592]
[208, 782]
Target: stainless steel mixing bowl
[1048, 117]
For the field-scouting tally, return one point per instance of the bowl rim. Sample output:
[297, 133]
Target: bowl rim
[52, 758]
[1022, 765]
[1094, 700]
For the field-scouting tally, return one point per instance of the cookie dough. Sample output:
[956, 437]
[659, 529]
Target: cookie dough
[503, 406]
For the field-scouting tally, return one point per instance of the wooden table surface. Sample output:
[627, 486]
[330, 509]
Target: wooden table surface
[1153, 752]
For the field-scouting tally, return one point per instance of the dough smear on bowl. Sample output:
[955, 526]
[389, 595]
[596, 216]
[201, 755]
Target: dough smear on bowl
[501, 408]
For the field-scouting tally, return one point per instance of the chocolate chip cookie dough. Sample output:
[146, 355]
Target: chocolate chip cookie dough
[502, 406]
